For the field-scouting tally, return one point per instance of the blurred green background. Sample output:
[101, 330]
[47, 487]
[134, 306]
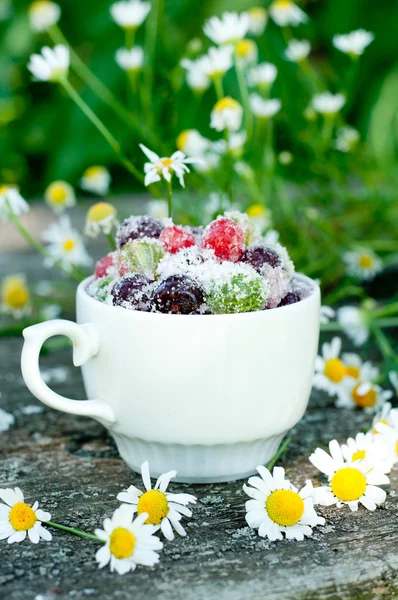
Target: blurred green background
[43, 136]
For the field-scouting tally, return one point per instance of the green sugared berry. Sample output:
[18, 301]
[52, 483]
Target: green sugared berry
[141, 256]
[241, 293]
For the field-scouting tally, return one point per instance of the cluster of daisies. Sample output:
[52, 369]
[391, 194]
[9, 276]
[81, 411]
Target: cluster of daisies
[353, 473]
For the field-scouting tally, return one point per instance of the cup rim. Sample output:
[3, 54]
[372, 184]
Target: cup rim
[315, 292]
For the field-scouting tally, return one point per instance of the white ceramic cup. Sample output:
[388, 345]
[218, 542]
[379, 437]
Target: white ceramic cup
[210, 396]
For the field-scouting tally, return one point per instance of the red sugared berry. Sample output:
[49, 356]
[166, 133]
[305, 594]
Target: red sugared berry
[102, 266]
[225, 238]
[175, 238]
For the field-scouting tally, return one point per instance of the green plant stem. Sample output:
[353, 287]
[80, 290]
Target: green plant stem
[75, 531]
[386, 311]
[150, 52]
[218, 86]
[244, 94]
[282, 449]
[382, 341]
[111, 241]
[170, 198]
[102, 129]
[342, 293]
[129, 37]
[327, 131]
[388, 323]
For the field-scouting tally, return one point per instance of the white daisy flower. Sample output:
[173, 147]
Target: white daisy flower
[246, 52]
[260, 216]
[369, 447]
[286, 12]
[393, 377]
[217, 61]
[262, 75]
[278, 507]
[101, 218]
[386, 416]
[350, 483]
[385, 429]
[327, 313]
[353, 321]
[329, 368]
[12, 202]
[59, 196]
[228, 29]
[192, 143]
[128, 543]
[165, 167]
[362, 394]
[264, 109]
[271, 237]
[226, 114]
[297, 50]
[196, 73]
[65, 245]
[130, 14]
[51, 65]
[347, 138]
[363, 264]
[15, 296]
[6, 421]
[258, 19]
[359, 370]
[130, 60]
[96, 179]
[164, 510]
[353, 43]
[158, 209]
[43, 14]
[328, 104]
[208, 162]
[18, 519]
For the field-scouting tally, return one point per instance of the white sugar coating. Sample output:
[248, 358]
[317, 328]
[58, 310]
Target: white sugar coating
[287, 262]
[250, 228]
[134, 225]
[140, 256]
[236, 287]
[279, 284]
[100, 289]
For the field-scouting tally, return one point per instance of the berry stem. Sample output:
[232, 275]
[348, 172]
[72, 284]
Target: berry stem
[75, 531]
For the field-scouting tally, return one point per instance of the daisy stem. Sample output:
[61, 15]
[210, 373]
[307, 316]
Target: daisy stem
[218, 86]
[111, 241]
[386, 311]
[282, 449]
[382, 341]
[386, 323]
[129, 38]
[151, 37]
[40, 248]
[170, 198]
[74, 531]
[244, 94]
[102, 129]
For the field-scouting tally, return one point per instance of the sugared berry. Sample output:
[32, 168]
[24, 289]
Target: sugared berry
[290, 298]
[175, 238]
[135, 228]
[102, 266]
[140, 256]
[101, 288]
[178, 294]
[132, 291]
[259, 255]
[225, 238]
[241, 292]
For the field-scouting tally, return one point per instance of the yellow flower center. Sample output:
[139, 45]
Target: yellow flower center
[101, 211]
[245, 48]
[258, 13]
[15, 294]
[365, 261]
[39, 5]
[256, 210]
[359, 455]
[122, 543]
[352, 371]
[334, 370]
[4, 189]
[155, 504]
[348, 484]
[94, 172]
[22, 517]
[374, 431]
[226, 103]
[284, 4]
[57, 193]
[183, 138]
[68, 245]
[285, 507]
[364, 400]
[166, 162]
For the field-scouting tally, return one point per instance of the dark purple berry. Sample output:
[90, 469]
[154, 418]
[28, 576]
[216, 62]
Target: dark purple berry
[178, 294]
[132, 291]
[257, 256]
[290, 298]
[135, 228]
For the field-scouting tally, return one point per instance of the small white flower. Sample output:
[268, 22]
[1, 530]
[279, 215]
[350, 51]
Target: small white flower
[258, 19]
[101, 218]
[208, 162]
[192, 143]
[43, 14]
[386, 415]
[50, 312]
[327, 313]
[130, 14]
[226, 114]
[97, 180]
[51, 65]
[353, 43]
[354, 324]
[158, 209]
[277, 507]
[128, 543]
[260, 216]
[362, 394]
[65, 245]
[369, 447]
[262, 75]
[271, 237]
[15, 296]
[18, 519]
[297, 50]
[217, 61]
[347, 139]
[130, 60]
[385, 429]
[164, 510]
[393, 377]
[159, 168]
[264, 109]
[363, 264]
[286, 12]
[350, 483]
[329, 368]
[196, 73]
[6, 421]
[59, 196]
[228, 29]
[328, 104]
[12, 202]
[246, 52]
[359, 370]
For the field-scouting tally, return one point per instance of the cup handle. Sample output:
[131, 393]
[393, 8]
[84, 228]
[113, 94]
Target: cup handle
[85, 346]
